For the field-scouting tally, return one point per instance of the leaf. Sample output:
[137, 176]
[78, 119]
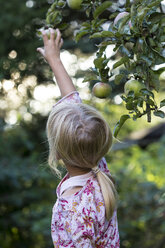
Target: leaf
[147, 60]
[89, 78]
[154, 80]
[156, 17]
[63, 26]
[102, 34]
[80, 34]
[99, 63]
[162, 103]
[120, 62]
[154, 28]
[113, 15]
[119, 124]
[127, 3]
[147, 92]
[107, 34]
[125, 51]
[86, 24]
[154, 3]
[123, 21]
[99, 10]
[141, 13]
[118, 78]
[159, 113]
[95, 35]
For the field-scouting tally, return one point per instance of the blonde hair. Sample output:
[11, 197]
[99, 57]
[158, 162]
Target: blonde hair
[80, 136]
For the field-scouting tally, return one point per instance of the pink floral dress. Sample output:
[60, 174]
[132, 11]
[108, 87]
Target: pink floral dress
[78, 220]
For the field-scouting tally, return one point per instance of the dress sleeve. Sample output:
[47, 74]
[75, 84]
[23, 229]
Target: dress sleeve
[72, 97]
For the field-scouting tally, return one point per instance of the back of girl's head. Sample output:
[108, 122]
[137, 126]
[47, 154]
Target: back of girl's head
[78, 135]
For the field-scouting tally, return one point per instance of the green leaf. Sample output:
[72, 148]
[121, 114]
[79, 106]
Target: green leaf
[125, 51]
[162, 38]
[156, 17]
[118, 78]
[89, 78]
[159, 113]
[80, 34]
[127, 3]
[119, 124]
[113, 15]
[147, 92]
[99, 10]
[141, 13]
[123, 21]
[147, 60]
[130, 105]
[154, 28]
[154, 3]
[63, 26]
[95, 35]
[99, 63]
[120, 62]
[107, 34]
[154, 80]
[150, 102]
[162, 103]
[86, 24]
[102, 34]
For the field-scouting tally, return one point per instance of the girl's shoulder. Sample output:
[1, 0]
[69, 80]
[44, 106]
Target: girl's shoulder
[72, 97]
[83, 198]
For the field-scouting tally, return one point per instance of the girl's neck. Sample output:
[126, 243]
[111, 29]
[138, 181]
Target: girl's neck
[76, 171]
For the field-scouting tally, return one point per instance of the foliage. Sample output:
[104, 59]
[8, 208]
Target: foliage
[140, 180]
[27, 188]
[139, 39]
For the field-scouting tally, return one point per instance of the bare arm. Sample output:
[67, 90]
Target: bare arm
[51, 53]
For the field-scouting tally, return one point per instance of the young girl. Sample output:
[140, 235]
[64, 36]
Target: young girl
[84, 214]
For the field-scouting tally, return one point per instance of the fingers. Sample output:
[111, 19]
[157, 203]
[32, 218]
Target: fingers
[45, 37]
[61, 43]
[58, 38]
[40, 50]
[52, 34]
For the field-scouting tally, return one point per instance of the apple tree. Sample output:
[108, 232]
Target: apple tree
[137, 31]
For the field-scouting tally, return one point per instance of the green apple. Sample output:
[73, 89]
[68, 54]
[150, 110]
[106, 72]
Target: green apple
[133, 85]
[101, 90]
[120, 16]
[162, 77]
[74, 4]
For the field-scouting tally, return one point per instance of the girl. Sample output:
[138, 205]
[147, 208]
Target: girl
[84, 214]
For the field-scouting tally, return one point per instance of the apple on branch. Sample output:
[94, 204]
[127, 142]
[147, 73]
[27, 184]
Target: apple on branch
[74, 4]
[120, 16]
[101, 90]
[133, 85]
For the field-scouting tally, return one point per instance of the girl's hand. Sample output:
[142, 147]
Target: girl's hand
[51, 49]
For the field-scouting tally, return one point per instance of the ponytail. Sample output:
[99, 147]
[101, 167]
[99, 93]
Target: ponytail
[109, 193]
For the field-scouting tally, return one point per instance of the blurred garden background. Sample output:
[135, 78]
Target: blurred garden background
[27, 92]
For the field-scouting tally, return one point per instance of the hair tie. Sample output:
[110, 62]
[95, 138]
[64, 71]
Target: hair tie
[96, 169]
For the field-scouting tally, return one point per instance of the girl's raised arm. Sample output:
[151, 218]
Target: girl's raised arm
[51, 52]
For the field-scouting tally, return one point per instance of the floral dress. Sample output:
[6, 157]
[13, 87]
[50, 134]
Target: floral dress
[78, 220]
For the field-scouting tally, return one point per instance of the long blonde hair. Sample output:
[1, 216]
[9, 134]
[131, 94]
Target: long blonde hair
[80, 136]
